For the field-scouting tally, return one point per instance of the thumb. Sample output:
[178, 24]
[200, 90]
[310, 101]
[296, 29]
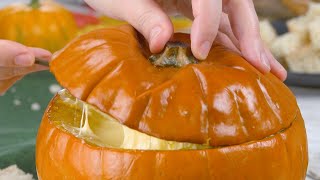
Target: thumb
[15, 54]
[149, 19]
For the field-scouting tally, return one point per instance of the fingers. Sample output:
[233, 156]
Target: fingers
[245, 25]
[6, 84]
[226, 41]
[205, 26]
[41, 54]
[10, 72]
[9, 75]
[145, 15]
[239, 27]
[276, 68]
[148, 18]
[225, 28]
[14, 54]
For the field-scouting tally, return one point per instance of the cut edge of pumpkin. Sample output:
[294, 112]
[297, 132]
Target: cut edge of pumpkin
[94, 123]
[88, 123]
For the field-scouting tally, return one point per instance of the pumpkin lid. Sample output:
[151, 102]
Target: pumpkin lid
[221, 101]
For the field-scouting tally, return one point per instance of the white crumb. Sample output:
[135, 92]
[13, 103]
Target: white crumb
[54, 88]
[14, 173]
[35, 106]
[16, 102]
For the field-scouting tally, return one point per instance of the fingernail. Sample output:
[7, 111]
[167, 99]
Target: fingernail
[154, 32]
[281, 70]
[45, 57]
[204, 49]
[24, 60]
[265, 61]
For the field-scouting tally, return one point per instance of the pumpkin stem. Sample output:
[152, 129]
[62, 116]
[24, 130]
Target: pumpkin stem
[175, 54]
[35, 4]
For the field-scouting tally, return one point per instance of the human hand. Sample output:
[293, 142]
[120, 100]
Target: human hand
[13, 54]
[233, 23]
[17, 60]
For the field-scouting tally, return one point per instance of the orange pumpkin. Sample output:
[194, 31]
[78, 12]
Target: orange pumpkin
[217, 119]
[41, 24]
[297, 6]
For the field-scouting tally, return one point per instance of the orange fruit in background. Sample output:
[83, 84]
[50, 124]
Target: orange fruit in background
[131, 114]
[42, 24]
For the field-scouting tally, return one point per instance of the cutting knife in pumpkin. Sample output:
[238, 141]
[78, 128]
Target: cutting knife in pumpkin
[17, 60]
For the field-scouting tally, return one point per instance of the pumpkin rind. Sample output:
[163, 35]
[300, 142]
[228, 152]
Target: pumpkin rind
[283, 156]
[222, 99]
[47, 25]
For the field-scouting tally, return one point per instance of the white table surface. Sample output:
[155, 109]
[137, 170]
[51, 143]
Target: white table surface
[309, 103]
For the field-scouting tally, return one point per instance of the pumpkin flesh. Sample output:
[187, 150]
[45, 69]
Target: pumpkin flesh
[62, 154]
[97, 128]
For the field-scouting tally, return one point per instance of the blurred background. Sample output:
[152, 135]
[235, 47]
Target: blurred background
[290, 28]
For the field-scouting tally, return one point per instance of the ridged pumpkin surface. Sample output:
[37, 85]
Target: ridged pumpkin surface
[222, 100]
[61, 155]
[251, 121]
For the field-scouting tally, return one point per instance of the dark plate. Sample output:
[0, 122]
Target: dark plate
[304, 80]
